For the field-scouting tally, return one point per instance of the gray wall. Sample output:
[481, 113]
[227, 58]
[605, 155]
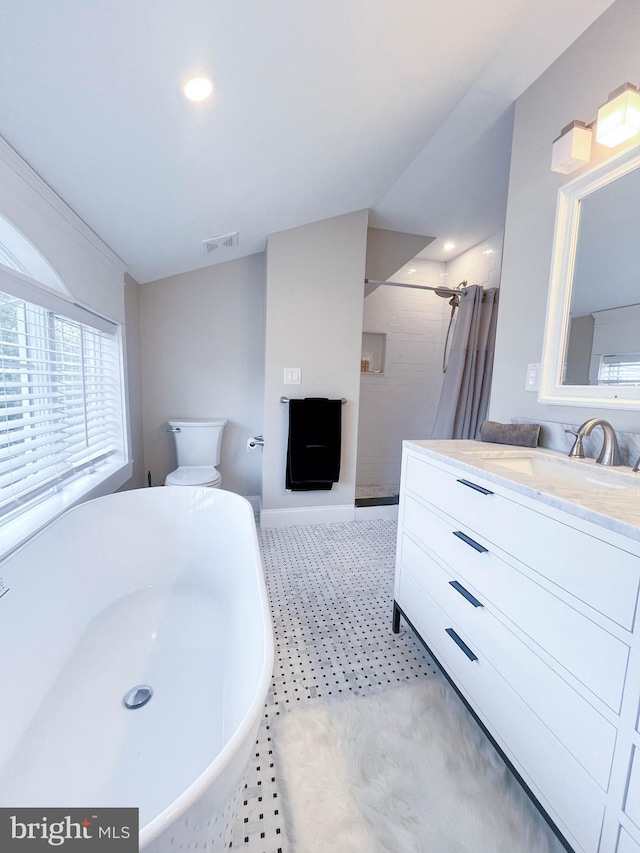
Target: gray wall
[315, 286]
[202, 336]
[579, 346]
[387, 251]
[603, 58]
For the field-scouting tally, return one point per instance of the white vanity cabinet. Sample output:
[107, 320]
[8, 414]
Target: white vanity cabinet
[530, 610]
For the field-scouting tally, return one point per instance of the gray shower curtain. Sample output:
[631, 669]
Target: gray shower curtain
[464, 398]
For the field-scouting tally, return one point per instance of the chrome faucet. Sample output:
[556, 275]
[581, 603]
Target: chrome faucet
[610, 453]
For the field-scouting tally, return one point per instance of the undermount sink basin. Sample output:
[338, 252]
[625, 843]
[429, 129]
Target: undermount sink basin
[557, 470]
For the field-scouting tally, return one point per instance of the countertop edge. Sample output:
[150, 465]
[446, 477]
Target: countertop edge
[449, 452]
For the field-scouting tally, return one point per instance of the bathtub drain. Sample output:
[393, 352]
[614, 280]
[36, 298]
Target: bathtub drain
[137, 696]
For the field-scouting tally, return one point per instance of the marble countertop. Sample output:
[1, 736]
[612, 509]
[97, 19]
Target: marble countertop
[614, 507]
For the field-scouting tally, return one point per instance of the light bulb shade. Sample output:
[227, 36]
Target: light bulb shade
[619, 118]
[572, 148]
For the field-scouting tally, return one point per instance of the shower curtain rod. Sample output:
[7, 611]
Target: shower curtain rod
[415, 286]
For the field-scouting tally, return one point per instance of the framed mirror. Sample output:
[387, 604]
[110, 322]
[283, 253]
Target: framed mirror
[591, 354]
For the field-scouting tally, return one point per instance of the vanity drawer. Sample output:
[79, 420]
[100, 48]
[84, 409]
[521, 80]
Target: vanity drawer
[584, 649]
[578, 726]
[553, 775]
[604, 577]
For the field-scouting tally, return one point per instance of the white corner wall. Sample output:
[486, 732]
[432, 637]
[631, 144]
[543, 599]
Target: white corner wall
[134, 380]
[91, 271]
[202, 336]
[604, 57]
[93, 274]
[315, 287]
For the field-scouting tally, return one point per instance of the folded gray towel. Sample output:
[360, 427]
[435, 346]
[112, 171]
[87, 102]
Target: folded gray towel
[525, 435]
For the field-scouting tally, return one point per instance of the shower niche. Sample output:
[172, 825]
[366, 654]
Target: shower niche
[374, 346]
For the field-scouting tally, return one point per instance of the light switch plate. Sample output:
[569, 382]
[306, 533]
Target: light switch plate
[292, 376]
[532, 382]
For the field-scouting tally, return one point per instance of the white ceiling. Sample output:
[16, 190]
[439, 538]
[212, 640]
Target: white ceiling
[323, 107]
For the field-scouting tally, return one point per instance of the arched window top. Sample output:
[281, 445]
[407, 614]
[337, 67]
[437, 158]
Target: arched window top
[18, 253]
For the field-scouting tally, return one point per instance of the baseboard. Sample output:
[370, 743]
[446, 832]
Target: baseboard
[306, 515]
[373, 513]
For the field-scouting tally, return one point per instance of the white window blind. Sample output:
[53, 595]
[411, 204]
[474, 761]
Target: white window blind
[60, 399]
[619, 369]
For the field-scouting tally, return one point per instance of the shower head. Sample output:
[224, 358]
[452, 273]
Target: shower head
[447, 293]
[454, 292]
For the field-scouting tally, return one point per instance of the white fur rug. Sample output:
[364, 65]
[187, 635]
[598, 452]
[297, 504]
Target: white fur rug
[401, 771]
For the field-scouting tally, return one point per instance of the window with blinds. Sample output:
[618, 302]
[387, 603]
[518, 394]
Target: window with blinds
[619, 369]
[60, 400]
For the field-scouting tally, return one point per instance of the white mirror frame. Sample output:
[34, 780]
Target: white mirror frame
[570, 195]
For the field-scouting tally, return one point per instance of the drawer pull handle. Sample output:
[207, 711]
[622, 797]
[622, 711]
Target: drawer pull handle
[475, 486]
[466, 594]
[461, 644]
[469, 541]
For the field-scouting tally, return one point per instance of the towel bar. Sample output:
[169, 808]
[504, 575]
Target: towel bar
[343, 400]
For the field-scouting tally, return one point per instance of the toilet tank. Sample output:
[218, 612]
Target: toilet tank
[198, 440]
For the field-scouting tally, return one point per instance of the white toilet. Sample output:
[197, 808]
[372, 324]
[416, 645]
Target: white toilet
[198, 442]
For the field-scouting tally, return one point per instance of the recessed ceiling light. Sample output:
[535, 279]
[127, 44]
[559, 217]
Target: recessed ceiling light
[449, 246]
[198, 88]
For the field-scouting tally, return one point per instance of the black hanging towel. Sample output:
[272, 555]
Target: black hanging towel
[313, 448]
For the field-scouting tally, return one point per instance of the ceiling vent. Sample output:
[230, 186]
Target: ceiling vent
[226, 241]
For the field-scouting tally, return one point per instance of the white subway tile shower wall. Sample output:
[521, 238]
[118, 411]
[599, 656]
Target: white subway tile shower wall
[401, 403]
[331, 593]
[481, 264]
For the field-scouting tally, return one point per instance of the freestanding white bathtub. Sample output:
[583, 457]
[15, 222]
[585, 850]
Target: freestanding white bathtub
[161, 587]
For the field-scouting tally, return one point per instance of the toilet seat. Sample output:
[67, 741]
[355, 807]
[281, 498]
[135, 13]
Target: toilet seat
[194, 475]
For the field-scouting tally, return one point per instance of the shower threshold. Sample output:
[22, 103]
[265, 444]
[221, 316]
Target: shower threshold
[386, 494]
[389, 500]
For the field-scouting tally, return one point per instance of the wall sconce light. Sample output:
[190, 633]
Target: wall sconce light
[572, 148]
[619, 118]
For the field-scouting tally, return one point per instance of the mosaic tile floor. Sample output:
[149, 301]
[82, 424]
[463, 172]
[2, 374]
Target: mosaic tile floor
[331, 592]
